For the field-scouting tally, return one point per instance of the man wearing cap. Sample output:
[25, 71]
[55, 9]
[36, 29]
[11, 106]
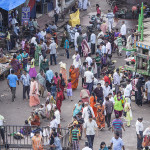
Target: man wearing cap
[116, 78]
[139, 132]
[90, 127]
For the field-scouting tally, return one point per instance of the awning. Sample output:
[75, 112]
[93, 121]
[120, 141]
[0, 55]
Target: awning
[10, 4]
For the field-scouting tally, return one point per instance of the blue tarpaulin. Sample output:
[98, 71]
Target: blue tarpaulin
[10, 4]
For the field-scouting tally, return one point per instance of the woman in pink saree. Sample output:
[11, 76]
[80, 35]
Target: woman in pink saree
[34, 93]
[85, 48]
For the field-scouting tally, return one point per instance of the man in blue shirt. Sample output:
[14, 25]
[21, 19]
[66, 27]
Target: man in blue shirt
[25, 80]
[11, 81]
[117, 142]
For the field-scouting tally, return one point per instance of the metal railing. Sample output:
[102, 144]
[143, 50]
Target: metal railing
[26, 141]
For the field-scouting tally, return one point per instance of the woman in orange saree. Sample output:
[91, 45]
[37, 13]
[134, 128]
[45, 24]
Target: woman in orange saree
[37, 143]
[93, 100]
[34, 93]
[74, 75]
[100, 118]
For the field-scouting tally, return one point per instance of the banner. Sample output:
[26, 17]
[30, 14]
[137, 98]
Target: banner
[25, 14]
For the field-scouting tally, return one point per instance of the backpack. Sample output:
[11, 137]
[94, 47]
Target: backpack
[84, 94]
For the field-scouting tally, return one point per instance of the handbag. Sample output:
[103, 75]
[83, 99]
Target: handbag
[124, 113]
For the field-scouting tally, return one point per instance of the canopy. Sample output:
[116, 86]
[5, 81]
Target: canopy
[10, 4]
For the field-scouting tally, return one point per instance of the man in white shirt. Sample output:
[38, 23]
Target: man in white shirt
[53, 124]
[116, 78]
[128, 89]
[53, 52]
[86, 146]
[110, 17]
[2, 128]
[89, 59]
[87, 111]
[89, 130]
[123, 31]
[139, 132]
[106, 89]
[88, 79]
[57, 115]
[75, 40]
[108, 49]
[93, 42]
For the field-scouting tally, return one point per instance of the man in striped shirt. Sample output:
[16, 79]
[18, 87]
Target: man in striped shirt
[117, 126]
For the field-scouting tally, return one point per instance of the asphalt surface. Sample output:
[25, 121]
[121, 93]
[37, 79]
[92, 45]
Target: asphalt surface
[17, 112]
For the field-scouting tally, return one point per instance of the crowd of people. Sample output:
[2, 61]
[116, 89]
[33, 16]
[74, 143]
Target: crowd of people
[102, 94]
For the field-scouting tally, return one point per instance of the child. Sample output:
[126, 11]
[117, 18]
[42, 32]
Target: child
[98, 9]
[69, 89]
[111, 97]
[66, 46]
[53, 90]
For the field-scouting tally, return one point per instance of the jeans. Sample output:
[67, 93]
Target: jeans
[116, 88]
[98, 71]
[13, 91]
[48, 86]
[56, 18]
[93, 48]
[107, 119]
[90, 87]
[80, 51]
[26, 89]
[140, 140]
[53, 56]
[67, 52]
[8, 45]
[90, 139]
[100, 99]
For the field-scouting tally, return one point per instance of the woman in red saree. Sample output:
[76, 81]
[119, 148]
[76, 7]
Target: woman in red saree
[34, 93]
[15, 65]
[74, 75]
[59, 99]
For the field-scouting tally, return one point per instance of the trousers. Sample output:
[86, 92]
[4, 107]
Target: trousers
[140, 140]
[53, 57]
[26, 89]
[93, 48]
[13, 91]
[108, 119]
[90, 139]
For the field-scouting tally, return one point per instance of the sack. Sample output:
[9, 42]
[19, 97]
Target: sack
[18, 136]
[84, 94]
[124, 113]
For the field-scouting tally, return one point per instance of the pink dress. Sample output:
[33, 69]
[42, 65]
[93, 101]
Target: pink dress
[34, 94]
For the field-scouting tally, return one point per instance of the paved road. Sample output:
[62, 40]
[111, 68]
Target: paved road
[18, 111]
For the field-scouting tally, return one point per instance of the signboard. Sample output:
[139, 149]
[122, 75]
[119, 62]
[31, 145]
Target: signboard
[25, 14]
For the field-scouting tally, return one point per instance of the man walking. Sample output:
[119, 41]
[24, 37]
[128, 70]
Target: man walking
[53, 52]
[117, 126]
[139, 132]
[109, 109]
[99, 92]
[25, 80]
[79, 43]
[110, 17]
[123, 31]
[116, 78]
[93, 42]
[11, 81]
[89, 129]
[117, 143]
[88, 79]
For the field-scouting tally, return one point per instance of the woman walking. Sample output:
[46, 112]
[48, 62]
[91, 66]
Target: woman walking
[25, 57]
[119, 104]
[100, 119]
[77, 108]
[93, 100]
[74, 75]
[34, 93]
[146, 135]
[41, 82]
[127, 109]
[37, 143]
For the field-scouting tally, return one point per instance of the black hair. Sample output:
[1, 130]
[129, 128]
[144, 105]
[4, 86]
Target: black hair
[26, 121]
[98, 46]
[55, 134]
[33, 78]
[102, 143]
[84, 63]
[14, 56]
[107, 98]
[69, 80]
[117, 116]
[89, 68]
[12, 71]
